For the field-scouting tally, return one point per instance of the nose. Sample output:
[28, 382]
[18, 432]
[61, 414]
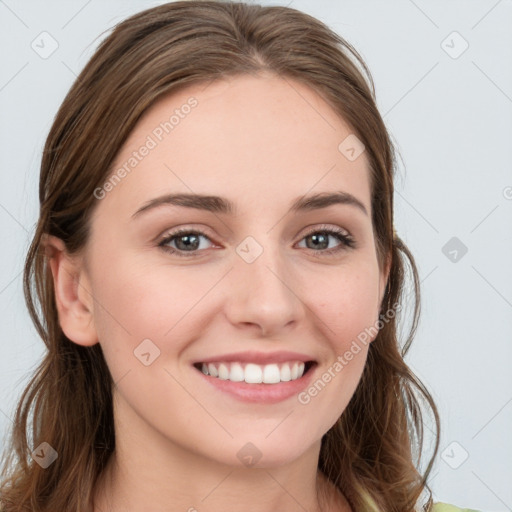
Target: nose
[263, 294]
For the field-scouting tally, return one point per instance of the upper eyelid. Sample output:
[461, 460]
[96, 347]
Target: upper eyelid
[206, 232]
[171, 233]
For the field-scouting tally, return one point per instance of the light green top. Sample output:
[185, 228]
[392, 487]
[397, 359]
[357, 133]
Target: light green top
[445, 507]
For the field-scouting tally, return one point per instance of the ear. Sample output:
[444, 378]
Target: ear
[72, 293]
[383, 280]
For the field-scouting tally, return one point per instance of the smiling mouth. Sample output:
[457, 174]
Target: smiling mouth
[251, 373]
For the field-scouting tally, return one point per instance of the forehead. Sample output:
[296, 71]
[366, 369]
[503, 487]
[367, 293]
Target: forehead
[258, 140]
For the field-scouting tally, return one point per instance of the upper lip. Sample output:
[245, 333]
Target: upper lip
[263, 358]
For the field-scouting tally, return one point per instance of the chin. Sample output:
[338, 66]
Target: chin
[276, 450]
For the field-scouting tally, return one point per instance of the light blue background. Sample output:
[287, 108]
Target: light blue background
[451, 119]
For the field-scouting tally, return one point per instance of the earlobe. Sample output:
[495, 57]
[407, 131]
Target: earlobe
[72, 293]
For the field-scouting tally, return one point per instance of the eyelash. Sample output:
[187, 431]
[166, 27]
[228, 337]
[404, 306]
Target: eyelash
[347, 241]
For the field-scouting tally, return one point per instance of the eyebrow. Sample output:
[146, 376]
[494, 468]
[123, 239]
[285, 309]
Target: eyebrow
[216, 204]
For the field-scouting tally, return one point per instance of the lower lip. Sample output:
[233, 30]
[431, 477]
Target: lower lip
[260, 393]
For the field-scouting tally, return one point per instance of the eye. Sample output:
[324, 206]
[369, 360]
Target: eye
[320, 240]
[185, 240]
[187, 243]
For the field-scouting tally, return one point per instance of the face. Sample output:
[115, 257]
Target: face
[259, 289]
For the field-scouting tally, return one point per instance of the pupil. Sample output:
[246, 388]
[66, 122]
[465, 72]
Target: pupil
[318, 238]
[187, 239]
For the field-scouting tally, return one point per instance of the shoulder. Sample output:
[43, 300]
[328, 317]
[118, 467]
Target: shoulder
[445, 507]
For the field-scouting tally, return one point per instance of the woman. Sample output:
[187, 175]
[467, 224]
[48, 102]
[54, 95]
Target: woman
[219, 280]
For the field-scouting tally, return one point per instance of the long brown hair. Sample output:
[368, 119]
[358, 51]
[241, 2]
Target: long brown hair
[373, 452]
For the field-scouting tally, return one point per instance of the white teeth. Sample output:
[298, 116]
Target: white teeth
[223, 372]
[236, 373]
[294, 371]
[255, 373]
[271, 374]
[212, 370]
[286, 373]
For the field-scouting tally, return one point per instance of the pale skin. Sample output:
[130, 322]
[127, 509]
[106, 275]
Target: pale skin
[261, 144]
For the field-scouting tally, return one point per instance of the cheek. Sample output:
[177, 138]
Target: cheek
[137, 301]
[140, 300]
[346, 312]
[347, 304]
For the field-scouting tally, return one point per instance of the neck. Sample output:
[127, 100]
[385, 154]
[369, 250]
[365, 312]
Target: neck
[150, 472]
[195, 484]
